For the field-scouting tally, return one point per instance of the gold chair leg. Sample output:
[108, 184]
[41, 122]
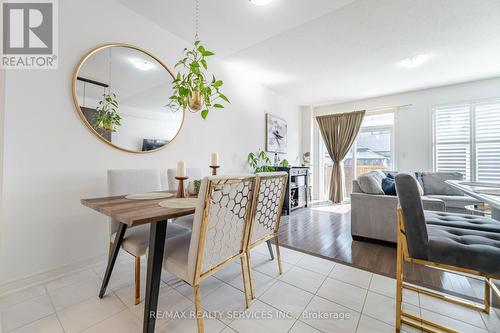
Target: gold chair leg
[278, 254]
[137, 280]
[487, 295]
[110, 249]
[250, 275]
[399, 285]
[198, 309]
[244, 275]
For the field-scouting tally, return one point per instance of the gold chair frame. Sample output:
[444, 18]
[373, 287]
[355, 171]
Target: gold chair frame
[419, 322]
[199, 276]
[273, 235]
[137, 288]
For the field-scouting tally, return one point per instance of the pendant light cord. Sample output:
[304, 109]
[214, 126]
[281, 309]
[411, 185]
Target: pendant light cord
[109, 74]
[196, 19]
[84, 92]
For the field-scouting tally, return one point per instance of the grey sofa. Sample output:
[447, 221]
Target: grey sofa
[373, 216]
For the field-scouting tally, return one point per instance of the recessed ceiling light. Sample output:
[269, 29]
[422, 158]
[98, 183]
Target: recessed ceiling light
[414, 61]
[142, 64]
[260, 2]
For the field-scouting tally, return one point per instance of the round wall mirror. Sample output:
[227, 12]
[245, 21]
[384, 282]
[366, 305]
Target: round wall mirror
[121, 92]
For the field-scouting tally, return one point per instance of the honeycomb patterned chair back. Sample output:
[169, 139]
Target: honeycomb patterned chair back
[269, 196]
[221, 222]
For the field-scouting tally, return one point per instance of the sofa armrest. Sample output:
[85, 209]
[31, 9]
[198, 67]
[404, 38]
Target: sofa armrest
[375, 197]
[433, 204]
[374, 216]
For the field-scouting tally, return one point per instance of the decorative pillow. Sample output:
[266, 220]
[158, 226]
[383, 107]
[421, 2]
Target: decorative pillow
[420, 188]
[389, 185]
[371, 183]
[379, 174]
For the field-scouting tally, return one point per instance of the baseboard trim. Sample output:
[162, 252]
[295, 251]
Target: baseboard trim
[373, 240]
[16, 285]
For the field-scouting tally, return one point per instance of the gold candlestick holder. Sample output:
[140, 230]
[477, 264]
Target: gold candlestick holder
[214, 169]
[181, 189]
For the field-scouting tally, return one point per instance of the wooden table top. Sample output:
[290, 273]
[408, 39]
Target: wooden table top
[134, 212]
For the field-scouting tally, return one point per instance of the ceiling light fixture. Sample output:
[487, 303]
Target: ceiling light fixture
[142, 64]
[260, 2]
[414, 61]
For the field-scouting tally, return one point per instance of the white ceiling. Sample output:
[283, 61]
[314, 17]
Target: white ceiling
[325, 51]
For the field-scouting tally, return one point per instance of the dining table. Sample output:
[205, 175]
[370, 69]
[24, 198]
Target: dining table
[131, 213]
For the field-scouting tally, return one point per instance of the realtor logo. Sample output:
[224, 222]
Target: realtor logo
[29, 34]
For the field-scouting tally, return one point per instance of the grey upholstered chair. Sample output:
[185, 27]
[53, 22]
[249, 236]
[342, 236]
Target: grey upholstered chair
[192, 174]
[447, 241]
[136, 239]
[219, 235]
[270, 190]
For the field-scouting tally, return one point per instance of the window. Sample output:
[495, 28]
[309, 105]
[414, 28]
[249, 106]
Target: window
[374, 144]
[372, 150]
[466, 139]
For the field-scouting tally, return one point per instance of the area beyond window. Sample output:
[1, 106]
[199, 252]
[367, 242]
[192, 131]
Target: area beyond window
[466, 139]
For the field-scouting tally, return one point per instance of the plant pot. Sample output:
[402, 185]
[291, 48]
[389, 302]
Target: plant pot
[195, 100]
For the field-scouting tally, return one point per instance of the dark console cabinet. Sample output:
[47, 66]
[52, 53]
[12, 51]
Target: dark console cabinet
[296, 188]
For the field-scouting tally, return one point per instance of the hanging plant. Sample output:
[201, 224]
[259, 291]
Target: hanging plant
[107, 117]
[192, 89]
[195, 89]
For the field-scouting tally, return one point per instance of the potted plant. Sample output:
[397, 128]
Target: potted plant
[260, 162]
[107, 117]
[192, 89]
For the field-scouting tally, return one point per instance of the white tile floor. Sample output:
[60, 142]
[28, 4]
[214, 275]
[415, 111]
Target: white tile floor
[352, 299]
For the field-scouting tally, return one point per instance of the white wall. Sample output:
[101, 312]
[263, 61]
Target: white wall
[51, 160]
[413, 132]
[2, 128]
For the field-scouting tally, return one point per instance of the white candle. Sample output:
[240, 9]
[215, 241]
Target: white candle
[215, 159]
[181, 169]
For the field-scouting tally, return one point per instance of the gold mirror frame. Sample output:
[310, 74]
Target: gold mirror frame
[77, 104]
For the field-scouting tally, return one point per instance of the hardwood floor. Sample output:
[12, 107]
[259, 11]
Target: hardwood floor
[324, 230]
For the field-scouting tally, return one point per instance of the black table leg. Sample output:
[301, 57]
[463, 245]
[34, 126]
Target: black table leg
[270, 248]
[157, 235]
[112, 258]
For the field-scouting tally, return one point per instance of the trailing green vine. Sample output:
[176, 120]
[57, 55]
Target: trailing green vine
[194, 81]
[260, 162]
[107, 117]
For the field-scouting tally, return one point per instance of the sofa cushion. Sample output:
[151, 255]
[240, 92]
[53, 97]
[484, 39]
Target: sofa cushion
[472, 249]
[456, 201]
[389, 185]
[434, 183]
[371, 182]
[463, 221]
[433, 204]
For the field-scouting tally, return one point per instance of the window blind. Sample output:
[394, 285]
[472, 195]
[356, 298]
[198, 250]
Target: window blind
[487, 141]
[452, 139]
[466, 139]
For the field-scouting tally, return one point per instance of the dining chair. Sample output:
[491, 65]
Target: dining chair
[136, 239]
[219, 235]
[456, 244]
[187, 220]
[192, 174]
[269, 196]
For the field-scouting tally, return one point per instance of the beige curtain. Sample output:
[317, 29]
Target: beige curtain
[339, 132]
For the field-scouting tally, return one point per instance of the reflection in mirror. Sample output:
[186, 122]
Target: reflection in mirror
[121, 93]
